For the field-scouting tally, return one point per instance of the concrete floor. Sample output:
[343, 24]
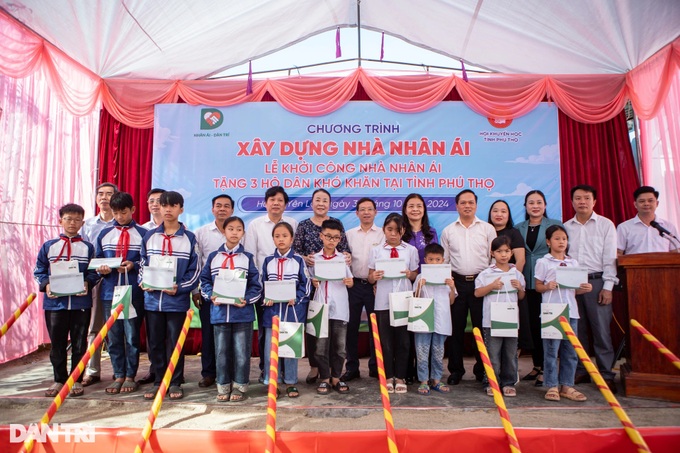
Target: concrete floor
[23, 381]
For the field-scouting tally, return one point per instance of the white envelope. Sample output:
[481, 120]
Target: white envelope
[435, 274]
[229, 286]
[393, 267]
[571, 277]
[280, 290]
[506, 278]
[164, 262]
[330, 270]
[64, 268]
[67, 284]
[113, 263]
[158, 278]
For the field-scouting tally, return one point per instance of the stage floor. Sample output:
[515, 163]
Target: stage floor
[22, 383]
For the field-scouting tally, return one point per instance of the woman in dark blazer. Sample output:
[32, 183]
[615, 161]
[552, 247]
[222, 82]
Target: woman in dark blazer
[533, 232]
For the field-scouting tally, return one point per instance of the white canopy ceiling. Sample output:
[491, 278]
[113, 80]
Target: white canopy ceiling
[180, 39]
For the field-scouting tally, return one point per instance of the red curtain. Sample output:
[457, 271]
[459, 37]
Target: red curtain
[125, 160]
[599, 155]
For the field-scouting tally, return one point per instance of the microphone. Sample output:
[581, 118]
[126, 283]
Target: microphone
[662, 230]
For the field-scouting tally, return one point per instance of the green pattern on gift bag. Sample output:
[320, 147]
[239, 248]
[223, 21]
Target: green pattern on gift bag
[556, 322]
[294, 341]
[427, 316]
[503, 325]
[122, 295]
[400, 314]
[316, 322]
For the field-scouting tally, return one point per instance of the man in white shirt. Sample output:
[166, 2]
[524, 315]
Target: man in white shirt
[361, 295]
[467, 247]
[592, 242]
[90, 232]
[642, 233]
[260, 243]
[209, 238]
[153, 201]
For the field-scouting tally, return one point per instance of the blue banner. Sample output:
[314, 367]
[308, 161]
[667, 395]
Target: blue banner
[359, 150]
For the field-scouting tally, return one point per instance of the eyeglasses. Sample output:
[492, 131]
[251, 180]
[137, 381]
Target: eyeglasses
[71, 219]
[332, 238]
[366, 210]
[154, 201]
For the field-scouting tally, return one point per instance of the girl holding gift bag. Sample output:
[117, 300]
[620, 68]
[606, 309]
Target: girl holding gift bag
[502, 350]
[233, 322]
[285, 264]
[394, 340]
[546, 283]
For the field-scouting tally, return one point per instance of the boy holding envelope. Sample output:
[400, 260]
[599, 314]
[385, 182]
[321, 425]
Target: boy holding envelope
[61, 271]
[332, 277]
[122, 240]
[169, 249]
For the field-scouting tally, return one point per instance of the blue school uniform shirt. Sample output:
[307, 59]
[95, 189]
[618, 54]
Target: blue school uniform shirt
[107, 247]
[386, 286]
[334, 292]
[545, 271]
[227, 313]
[185, 250]
[442, 306]
[292, 268]
[487, 276]
[64, 248]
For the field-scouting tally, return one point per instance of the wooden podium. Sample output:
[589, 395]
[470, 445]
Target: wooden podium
[652, 284]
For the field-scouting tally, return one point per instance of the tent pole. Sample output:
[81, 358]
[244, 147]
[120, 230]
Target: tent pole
[359, 32]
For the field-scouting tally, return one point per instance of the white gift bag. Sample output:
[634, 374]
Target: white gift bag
[504, 317]
[550, 319]
[122, 294]
[317, 314]
[291, 338]
[421, 315]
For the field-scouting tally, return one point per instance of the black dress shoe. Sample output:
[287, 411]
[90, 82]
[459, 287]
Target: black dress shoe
[147, 379]
[349, 375]
[612, 385]
[454, 379]
[206, 382]
[582, 379]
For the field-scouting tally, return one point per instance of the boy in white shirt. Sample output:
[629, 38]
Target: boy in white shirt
[330, 352]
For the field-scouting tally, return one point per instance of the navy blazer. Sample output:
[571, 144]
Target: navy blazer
[540, 249]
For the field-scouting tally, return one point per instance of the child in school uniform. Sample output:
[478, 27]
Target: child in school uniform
[166, 309]
[430, 346]
[66, 316]
[123, 239]
[330, 352]
[232, 322]
[546, 283]
[285, 264]
[502, 350]
[394, 341]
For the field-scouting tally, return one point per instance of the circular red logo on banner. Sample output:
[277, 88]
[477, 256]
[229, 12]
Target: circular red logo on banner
[499, 123]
